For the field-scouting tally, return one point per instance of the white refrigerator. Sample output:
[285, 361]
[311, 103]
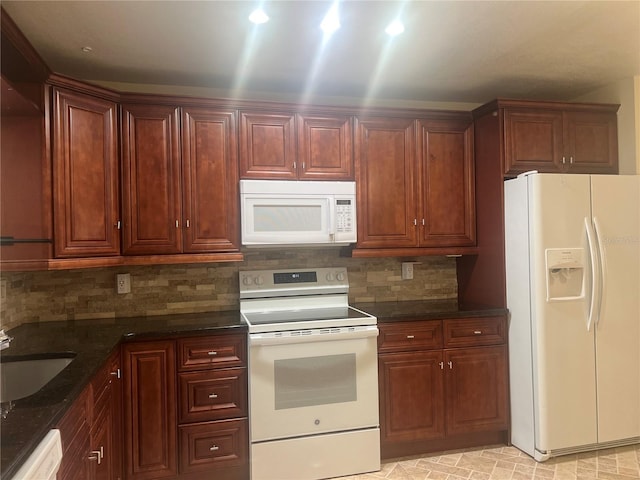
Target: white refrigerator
[572, 247]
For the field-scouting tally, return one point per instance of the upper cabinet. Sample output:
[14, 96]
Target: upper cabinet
[387, 182]
[151, 185]
[85, 175]
[415, 185]
[555, 137]
[287, 146]
[447, 183]
[180, 185]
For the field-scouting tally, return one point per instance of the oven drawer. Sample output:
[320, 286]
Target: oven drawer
[406, 336]
[212, 352]
[469, 332]
[212, 395]
[204, 446]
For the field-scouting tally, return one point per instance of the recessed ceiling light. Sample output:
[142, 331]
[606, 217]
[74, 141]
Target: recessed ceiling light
[331, 21]
[395, 28]
[258, 16]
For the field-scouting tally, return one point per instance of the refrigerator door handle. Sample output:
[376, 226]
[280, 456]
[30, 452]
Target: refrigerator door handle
[601, 268]
[595, 275]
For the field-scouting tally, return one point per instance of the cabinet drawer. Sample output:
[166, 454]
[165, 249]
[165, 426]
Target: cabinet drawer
[464, 332]
[204, 446]
[407, 336]
[212, 352]
[212, 395]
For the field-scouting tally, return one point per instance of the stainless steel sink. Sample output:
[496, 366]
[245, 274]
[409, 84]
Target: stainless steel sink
[21, 376]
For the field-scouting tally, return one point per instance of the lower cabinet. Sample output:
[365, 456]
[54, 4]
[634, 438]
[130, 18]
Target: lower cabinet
[443, 384]
[91, 429]
[185, 408]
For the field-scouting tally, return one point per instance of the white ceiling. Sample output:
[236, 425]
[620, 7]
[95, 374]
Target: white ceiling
[451, 51]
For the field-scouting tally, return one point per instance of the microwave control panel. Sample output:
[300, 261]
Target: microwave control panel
[344, 215]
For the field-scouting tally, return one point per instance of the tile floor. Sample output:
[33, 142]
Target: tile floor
[509, 463]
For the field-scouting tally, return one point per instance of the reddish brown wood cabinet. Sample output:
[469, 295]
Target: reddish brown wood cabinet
[91, 428]
[558, 137]
[85, 175]
[415, 184]
[149, 373]
[443, 384]
[213, 406]
[447, 183]
[288, 146]
[185, 407]
[106, 428]
[210, 180]
[179, 184]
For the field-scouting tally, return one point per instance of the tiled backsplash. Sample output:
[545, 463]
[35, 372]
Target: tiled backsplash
[158, 290]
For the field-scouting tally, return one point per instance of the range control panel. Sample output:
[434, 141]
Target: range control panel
[266, 283]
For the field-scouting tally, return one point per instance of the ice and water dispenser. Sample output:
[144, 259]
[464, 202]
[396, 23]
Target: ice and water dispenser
[565, 273]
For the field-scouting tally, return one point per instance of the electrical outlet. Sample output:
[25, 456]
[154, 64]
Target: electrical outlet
[407, 270]
[123, 283]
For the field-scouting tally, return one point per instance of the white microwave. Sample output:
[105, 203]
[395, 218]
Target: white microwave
[275, 212]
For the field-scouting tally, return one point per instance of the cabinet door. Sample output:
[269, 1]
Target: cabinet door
[149, 374]
[591, 142]
[77, 460]
[445, 153]
[85, 176]
[387, 182]
[151, 194]
[476, 389]
[267, 146]
[210, 179]
[106, 425]
[411, 396]
[102, 446]
[325, 149]
[532, 141]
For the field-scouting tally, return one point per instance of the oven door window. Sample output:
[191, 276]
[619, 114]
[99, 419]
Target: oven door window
[322, 380]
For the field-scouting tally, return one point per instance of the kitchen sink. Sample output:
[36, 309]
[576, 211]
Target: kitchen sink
[21, 376]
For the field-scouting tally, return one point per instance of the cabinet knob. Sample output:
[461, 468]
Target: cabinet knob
[213, 395]
[477, 332]
[213, 448]
[212, 353]
[410, 337]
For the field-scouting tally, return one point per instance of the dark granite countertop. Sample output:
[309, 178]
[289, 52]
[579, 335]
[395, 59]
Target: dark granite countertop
[425, 310]
[92, 341]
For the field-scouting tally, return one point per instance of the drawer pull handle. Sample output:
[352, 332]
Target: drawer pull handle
[450, 365]
[441, 365]
[410, 336]
[212, 353]
[213, 448]
[213, 395]
[477, 332]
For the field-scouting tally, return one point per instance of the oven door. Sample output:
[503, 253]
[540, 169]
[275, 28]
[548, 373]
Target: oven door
[313, 381]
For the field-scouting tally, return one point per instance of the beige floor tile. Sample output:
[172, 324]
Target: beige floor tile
[509, 463]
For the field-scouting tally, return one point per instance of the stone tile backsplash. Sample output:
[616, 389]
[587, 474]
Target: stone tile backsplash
[166, 289]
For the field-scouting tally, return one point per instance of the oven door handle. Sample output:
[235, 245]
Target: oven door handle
[257, 339]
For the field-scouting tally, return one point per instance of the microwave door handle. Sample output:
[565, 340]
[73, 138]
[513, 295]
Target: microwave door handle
[332, 218]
